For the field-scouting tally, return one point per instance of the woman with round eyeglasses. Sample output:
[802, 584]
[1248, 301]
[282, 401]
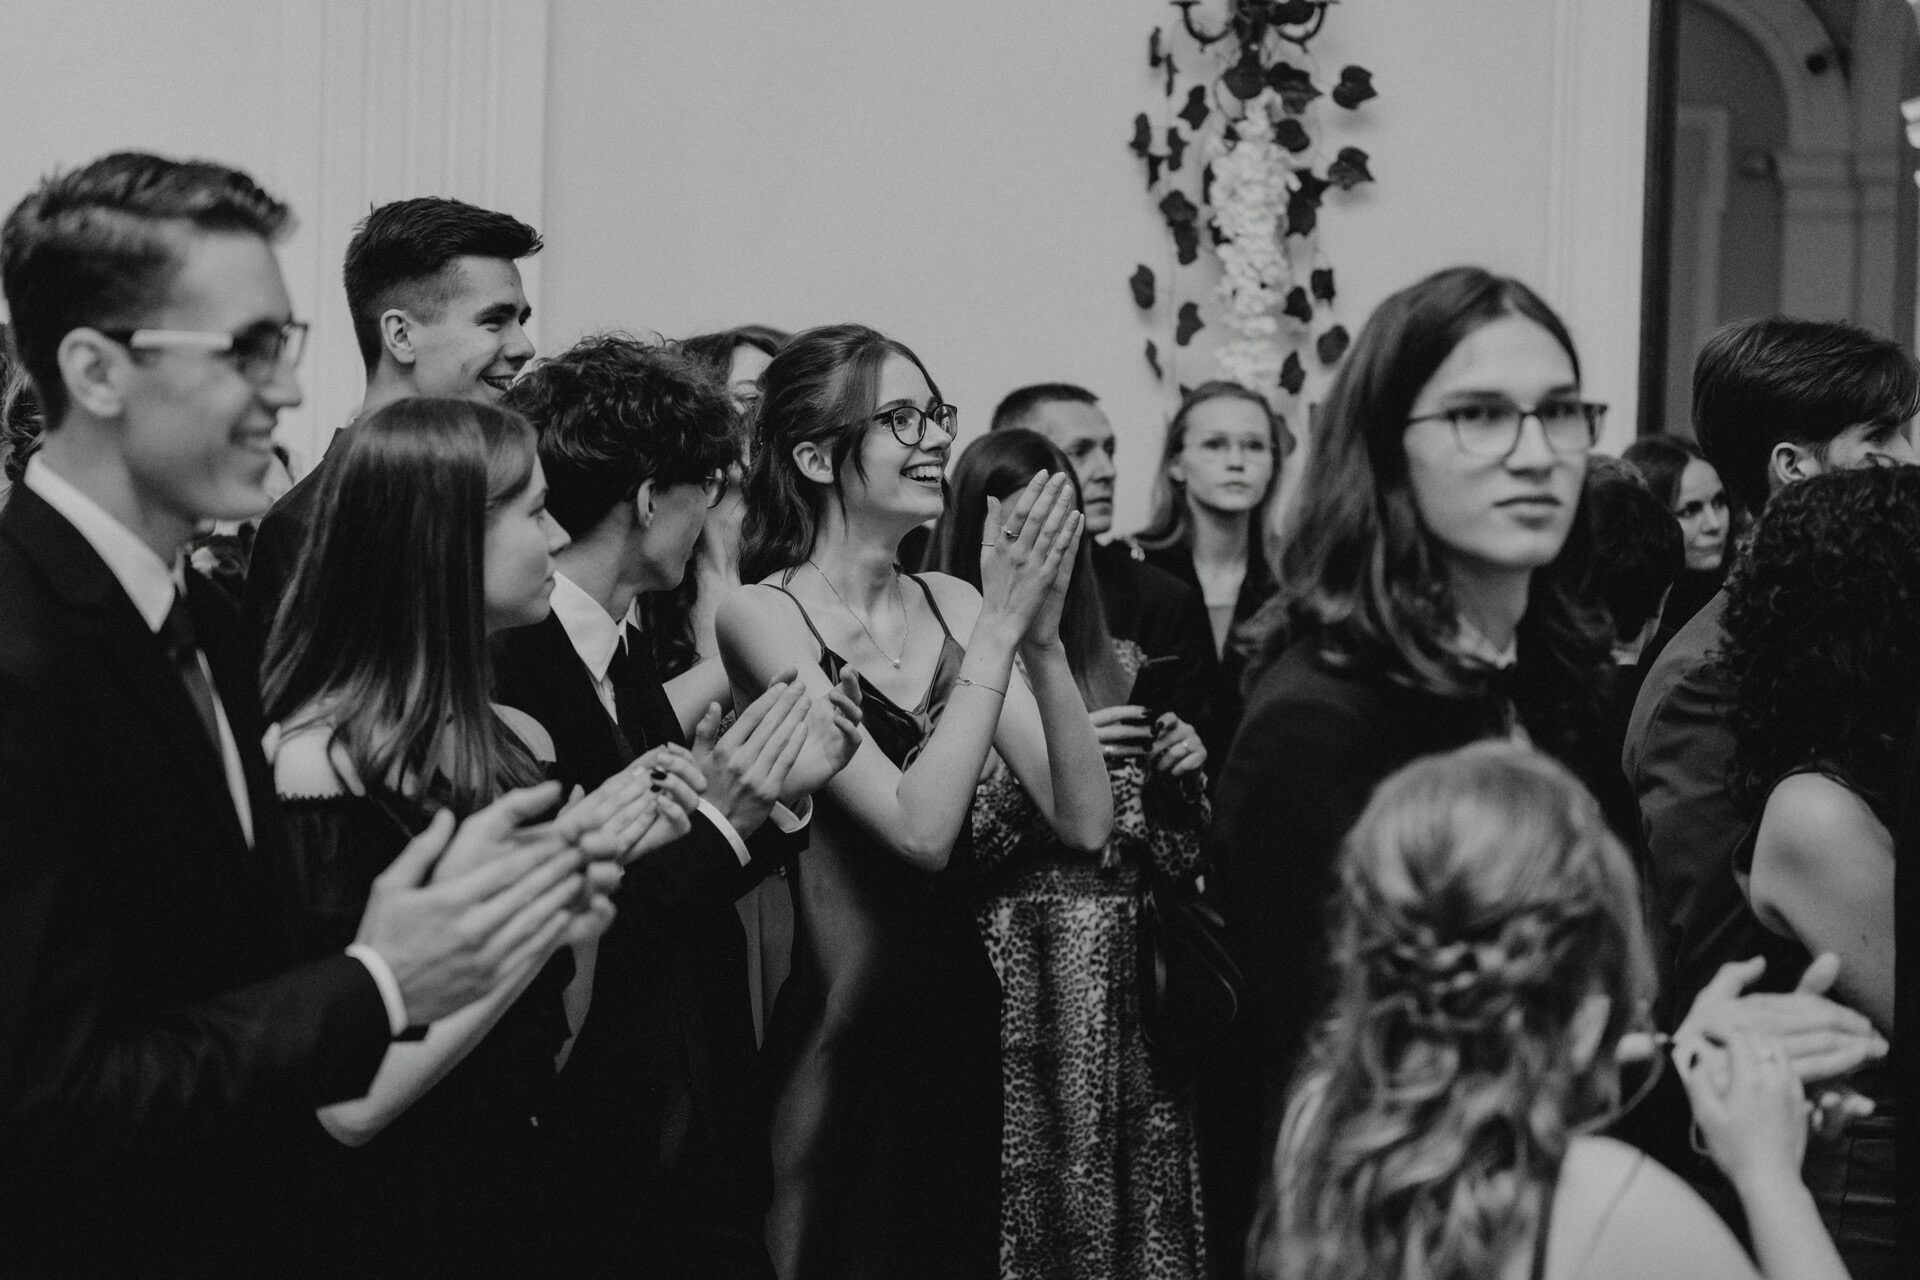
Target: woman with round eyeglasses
[1427, 599]
[883, 1048]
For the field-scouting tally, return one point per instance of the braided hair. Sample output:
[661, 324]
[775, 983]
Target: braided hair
[1483, 903]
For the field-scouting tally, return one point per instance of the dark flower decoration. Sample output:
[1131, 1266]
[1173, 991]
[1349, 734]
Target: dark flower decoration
[1189, 323]
[1349, 169]
[1295, 87]
[1293, 374]
[1142, 285]
[1321, 282]
[1355, 87]
[1182, 217]
[1333, 344]
[1297, 305]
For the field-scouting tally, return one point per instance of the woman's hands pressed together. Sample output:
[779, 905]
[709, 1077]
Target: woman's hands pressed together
[1026, 561]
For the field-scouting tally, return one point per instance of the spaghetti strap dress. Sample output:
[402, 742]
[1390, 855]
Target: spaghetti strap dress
[882, 1051]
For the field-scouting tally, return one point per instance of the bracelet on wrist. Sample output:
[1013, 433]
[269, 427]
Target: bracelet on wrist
[976, 684]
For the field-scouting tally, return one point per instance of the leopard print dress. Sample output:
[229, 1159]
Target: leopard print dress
[1099, 1175]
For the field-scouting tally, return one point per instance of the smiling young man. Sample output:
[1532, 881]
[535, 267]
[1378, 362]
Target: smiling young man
[438, 310]
[161, 1056]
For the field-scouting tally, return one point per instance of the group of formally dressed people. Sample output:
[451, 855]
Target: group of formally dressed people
[661, 809]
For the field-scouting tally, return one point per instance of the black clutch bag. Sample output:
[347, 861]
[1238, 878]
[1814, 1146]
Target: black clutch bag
[1190, 987]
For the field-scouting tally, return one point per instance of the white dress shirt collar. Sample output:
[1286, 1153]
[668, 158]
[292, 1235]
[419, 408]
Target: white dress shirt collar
[593, 633]
[1471, 642]
[147, 579]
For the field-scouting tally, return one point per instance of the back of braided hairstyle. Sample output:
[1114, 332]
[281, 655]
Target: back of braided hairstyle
[1483, 900]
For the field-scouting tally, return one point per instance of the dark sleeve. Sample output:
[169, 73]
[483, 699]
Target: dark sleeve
[1293, 784]
[1678, 757]
[85, 1075]
[1196, 669]
[702, 866]
[276, 548]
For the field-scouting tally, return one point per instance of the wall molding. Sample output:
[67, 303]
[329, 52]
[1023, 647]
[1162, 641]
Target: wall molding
[1596, 193]
[381, 101]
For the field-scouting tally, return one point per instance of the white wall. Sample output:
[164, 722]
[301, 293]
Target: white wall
[956, 175]
[332, 105]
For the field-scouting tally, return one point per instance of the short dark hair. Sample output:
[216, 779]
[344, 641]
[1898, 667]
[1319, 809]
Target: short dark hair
[1019, 404]
[715, 350]
[401, 253]
[1763, 381]
[613, 411]
[99, 246]
[1637, 549]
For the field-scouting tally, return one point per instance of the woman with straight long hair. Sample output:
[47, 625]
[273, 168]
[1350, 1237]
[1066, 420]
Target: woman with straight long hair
[432, 532]
[1492, 956]
[1219, 470]
[1099, 1169]
[883, 1048]
[1429, 579]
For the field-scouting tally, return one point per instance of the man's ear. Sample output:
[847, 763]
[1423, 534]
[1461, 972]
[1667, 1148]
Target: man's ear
[396, 335]
[643, 504]
[813, 461]
[1789, 462]
[93, 368]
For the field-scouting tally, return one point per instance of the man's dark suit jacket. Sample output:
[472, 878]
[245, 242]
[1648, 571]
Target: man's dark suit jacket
[159, 1059]
[1164, 616]
[1678, 756]
[658, 1120]
[276, 548]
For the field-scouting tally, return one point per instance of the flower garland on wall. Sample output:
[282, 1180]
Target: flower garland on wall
[1252, 119]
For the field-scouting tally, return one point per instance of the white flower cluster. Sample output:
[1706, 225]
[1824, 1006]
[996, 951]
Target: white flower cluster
[1252, 178]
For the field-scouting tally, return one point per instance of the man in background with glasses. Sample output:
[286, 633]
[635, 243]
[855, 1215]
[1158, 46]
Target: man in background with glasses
[160, 1056]
[438, 310]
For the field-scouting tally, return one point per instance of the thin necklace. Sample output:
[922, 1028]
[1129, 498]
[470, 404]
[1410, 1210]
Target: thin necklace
[900, 595]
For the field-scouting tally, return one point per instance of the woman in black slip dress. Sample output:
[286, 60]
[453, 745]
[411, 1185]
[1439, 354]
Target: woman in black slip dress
[882, 1052]
[431, 532]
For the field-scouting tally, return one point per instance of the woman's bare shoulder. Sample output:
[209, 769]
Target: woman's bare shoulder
[529, 731]
[1619, 1212]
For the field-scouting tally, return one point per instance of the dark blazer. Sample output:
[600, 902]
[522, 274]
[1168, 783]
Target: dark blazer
[1164, 616]
[1312, 745]
[159, 1059]
[657, 1120]
[1678, 757]
[1225, 699]
[277, 543]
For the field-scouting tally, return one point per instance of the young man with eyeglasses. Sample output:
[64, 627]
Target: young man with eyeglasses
[438, 310]
[161, 1057]
[655, 1125]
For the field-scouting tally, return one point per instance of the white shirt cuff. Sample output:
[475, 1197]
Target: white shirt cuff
[791, 820]
[719, 820]
[383, 979]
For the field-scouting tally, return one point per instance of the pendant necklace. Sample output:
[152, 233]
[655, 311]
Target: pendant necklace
[898, 594]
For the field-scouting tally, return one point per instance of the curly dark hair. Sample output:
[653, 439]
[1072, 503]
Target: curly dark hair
[1823, 634]
[613, 411]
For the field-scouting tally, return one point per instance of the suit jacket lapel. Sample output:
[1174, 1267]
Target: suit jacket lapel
[136, 662]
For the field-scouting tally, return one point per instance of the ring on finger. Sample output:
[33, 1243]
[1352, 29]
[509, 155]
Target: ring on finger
[1009, 531]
